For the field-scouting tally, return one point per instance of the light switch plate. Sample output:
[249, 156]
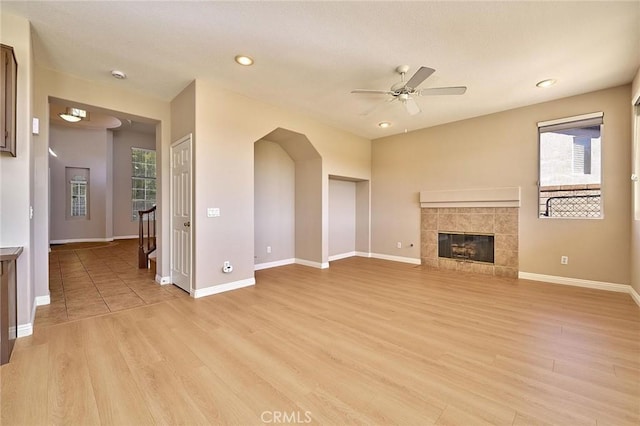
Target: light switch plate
[35, 126]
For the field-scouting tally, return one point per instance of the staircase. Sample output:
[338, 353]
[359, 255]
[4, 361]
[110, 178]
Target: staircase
[146, 236]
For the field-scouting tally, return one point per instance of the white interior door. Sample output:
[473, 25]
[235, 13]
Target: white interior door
[181, 229]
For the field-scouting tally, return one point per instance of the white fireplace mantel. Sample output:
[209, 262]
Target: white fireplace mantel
[475, 197]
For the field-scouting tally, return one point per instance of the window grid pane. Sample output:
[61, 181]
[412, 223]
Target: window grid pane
[78, 199]
[143, 180]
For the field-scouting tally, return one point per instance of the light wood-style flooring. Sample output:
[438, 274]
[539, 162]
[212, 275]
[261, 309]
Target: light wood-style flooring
[365, 342]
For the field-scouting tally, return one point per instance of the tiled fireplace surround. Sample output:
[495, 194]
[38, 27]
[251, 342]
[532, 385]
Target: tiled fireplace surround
[480, 212]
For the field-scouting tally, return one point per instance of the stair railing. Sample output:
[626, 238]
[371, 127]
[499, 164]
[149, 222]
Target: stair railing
[146, 241]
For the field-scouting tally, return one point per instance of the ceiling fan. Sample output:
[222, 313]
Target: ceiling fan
[405, 91]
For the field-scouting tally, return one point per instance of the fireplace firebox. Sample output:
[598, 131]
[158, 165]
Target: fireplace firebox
[466, 247]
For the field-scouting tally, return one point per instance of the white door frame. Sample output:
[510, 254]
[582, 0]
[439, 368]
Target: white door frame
[186, 138]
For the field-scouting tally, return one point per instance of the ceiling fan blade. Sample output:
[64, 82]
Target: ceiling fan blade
[378, 106]
[412, 106]
[372, 92]
[460, 90]
[420, 76]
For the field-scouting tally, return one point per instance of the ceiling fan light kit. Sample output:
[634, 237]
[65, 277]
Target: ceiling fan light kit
[405, 91]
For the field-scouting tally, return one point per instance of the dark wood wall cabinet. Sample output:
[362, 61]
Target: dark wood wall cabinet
[8, 295]
[8, 78]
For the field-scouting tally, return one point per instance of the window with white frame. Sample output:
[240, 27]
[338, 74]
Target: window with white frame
[77, 179]
[143, 180]
[78, 196]
[570, 167]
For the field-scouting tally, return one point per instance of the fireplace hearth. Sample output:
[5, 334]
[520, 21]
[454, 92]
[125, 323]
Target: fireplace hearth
[466, 247]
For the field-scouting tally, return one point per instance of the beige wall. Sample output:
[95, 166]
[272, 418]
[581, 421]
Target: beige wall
[108, 156]
[635, 218]
[79, 148]
[16, 174]
[227, 126]
[274, 183]
[183, 113]
[501, 150]
[309, 211]
[342, 217]
[123, 141]
[363, 217]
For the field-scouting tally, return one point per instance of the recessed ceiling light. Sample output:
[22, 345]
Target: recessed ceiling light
[384, 124]
[118, 74]
[244, 60]
[546, 83]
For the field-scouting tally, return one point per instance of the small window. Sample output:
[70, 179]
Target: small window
[78, 196]
[77, 193]
[570, 167]
[143, 180]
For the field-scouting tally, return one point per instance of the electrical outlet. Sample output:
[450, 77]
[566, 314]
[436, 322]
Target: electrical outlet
[564, 260]
[398, 244]
[268, 249]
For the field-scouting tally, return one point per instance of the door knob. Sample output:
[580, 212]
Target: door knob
[187, 224]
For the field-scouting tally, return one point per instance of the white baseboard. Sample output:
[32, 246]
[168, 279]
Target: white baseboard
[25, 330]
[82, 240]
[163, 280]
[221, 288]
[304, 262]
[43, 300]
[126, 237]
[634, 295]
[273, 264]
[577, 282]
[411, 260]
[342, 256]
[363, 254]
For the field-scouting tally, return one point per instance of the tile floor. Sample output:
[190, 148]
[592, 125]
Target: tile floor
[85, 282]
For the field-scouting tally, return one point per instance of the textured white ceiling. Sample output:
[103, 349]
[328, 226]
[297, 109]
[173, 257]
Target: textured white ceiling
[310, 55]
